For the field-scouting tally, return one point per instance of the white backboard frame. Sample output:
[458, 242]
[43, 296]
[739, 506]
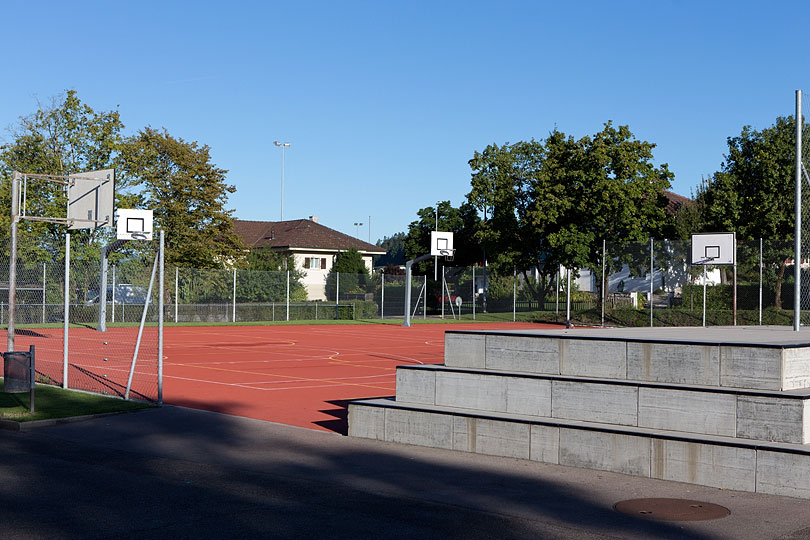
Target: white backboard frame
[134, 224]
[91, 199]
[441, 243]
[713, 248]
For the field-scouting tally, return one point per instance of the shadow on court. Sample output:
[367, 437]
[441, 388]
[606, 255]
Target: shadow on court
[340, 424]
[178, 473]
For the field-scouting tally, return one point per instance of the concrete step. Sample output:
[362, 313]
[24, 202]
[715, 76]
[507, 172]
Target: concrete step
[780, 416]
[718, 461]
[759, 358]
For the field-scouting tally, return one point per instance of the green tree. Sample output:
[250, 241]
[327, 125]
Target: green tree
[690, 218]
[395, 250]
[64, 138]
[460, 221]
[752, 194]
[552, 202]
[188, 194]
[265, 278]
[354, 277]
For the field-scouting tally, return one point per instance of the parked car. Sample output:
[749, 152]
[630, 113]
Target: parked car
[125, 293]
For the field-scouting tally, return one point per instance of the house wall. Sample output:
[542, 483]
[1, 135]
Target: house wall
[314, 279]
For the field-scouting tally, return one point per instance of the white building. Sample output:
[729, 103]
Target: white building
[312, 245]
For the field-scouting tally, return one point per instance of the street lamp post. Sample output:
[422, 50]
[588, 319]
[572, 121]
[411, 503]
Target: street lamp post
[282, 145]
[436, 259]
[358, 225]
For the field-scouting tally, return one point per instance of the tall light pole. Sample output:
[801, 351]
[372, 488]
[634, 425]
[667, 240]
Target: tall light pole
[358, 225]
[282, 145]
[436, 259]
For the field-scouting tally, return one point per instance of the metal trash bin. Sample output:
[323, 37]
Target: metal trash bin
[18, 373]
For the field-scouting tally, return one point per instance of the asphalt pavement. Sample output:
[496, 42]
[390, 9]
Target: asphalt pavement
[179, 473]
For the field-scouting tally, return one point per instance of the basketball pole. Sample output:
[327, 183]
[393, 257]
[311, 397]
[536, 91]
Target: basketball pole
[704, 295]
[408, 273]
[102, 284]
[12, 268]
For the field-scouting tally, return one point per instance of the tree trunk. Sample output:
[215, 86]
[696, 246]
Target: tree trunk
[777, 300]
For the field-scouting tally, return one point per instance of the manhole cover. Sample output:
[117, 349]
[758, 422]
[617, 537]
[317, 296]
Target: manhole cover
[671, 509]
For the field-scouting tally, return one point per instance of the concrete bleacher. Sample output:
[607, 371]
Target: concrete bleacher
[722, 407]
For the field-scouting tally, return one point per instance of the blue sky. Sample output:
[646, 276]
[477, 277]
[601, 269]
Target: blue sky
[385, 102]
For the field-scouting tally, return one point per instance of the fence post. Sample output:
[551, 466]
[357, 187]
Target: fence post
[43, 292]
[382, 295]
[514, 293]
[337, 295]
[441, 292]
[568, 298]
[288, 295]
[604, 290]
[473, 290]
[652, 279]
[424, 301]
[113, 293]
[557, 298]
[176, 291]
[760, 281]
[67, 313]
[160, 320]
[234, 295]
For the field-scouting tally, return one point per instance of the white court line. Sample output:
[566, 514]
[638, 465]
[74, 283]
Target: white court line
[247, 385]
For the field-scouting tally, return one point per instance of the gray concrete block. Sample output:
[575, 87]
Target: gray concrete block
[465, 350]
[491, 437]
[797, 368]
[593, 358]
[616, 452]
[521, 353]
[416, 386]
[528, 396]
[705, 464]
[593, 402]
[780, 473]
[772, 419]
[419, 428]
[751, 367]
[683, 410]
[471, 391]
[673, 362]
[545, 444]
[367, 422]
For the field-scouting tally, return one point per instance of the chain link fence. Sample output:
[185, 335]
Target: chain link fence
[84, 358]
[645, 284]
[636, 284]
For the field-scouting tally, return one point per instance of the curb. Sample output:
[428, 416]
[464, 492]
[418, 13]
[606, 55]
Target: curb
[13, 425]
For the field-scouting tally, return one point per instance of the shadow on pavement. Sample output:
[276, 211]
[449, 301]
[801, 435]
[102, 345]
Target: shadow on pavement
[175, 473]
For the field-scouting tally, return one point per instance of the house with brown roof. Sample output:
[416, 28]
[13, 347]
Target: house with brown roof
[313, 247]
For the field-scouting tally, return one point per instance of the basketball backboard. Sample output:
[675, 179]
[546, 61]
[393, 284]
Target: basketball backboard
[441, 243]
[713, 248]
[91, 199]
[134, 224]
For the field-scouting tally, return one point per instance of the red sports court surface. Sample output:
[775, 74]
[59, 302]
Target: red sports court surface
[296, 375]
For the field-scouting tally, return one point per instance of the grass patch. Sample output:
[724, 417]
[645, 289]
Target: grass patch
[51, 402]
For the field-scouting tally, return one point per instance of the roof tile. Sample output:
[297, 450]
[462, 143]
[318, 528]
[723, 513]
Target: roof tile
[298, 234]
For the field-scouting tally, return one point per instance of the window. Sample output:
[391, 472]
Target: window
[316, 263]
